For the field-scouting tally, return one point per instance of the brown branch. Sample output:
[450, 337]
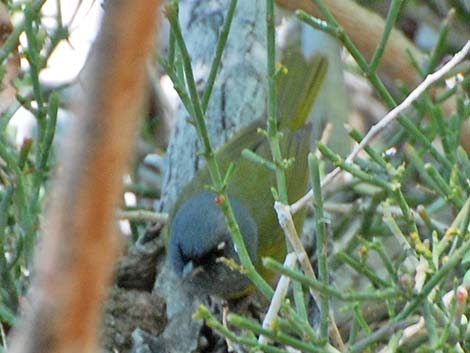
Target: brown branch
[79, 246]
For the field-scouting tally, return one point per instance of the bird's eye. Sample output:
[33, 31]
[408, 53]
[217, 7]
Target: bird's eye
[209, 257]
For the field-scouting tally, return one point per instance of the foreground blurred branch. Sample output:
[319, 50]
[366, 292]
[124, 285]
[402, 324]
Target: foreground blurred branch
[74, 264]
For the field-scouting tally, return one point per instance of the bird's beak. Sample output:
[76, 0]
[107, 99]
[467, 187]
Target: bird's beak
[190, 271]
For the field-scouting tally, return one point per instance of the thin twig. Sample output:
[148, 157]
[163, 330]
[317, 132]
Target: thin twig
[143, 215]
[287, 224]
[325, 137]
[387, 119]
[419, 328]
[276, 301]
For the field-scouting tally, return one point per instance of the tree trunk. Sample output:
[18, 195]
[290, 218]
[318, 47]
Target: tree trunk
[239, 94]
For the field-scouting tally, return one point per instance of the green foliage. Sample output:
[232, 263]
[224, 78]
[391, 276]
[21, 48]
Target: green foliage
[25, 169]
[398, 226]
[400, 222]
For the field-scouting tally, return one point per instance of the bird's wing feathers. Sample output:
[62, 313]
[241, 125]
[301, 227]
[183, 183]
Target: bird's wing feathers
[299, 87]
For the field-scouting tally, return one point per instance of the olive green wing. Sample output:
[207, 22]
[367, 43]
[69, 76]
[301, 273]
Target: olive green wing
[230, 152]
[299, 87]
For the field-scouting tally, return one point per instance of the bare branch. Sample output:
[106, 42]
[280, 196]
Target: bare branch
[387, 119]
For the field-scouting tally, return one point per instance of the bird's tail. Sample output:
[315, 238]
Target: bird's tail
[298, 86]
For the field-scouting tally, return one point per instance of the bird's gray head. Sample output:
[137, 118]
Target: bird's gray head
[200, 238]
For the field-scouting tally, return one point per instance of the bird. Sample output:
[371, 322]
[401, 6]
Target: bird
[200, 244]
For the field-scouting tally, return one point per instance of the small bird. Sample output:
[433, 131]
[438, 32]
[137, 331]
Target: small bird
[200, 238]
[201, 246]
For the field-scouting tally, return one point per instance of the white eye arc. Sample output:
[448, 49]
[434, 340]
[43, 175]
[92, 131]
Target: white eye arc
[235, 248]
[221, 245]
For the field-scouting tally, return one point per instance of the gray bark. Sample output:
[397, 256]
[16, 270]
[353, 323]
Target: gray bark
[239, 94]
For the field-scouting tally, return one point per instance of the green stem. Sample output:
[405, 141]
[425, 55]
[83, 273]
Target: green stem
[440, 47]
[195, 101]
[353, 169]
[378, 246]
[272, 104]
[430, 324]
[362, 268]
[22, 204]
[172, 45]
[45, 146]
[256, 158]
[405, 208]
[12, 41]
[322, 242]
[382, 333]
[360, 320]
[218, 54]
[8, 281]
[301, 321]
[438, 119]
[389, 23]
[279, 336]
[443, 187]
[34, 60]
[373, 154]
[299, 300]
[440, 275]
[204, 314]
[327, 290]
[375, 79]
